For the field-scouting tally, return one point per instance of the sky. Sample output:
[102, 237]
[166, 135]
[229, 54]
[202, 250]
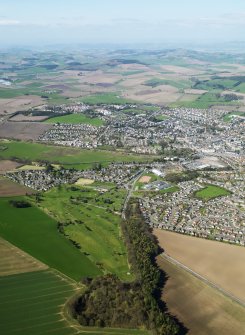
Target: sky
[44, 22]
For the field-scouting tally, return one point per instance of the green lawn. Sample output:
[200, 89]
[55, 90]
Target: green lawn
[210, 192]
[68, 157]
[92, 223]
[76, 119]
[36, 233]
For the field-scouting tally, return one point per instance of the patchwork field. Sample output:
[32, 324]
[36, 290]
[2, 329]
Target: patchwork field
[70, 157]
[14, 260]
[220, 263]
[28, 228]
[202, 309]
[9, 188]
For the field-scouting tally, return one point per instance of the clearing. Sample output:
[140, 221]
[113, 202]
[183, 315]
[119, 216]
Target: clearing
[84, 181]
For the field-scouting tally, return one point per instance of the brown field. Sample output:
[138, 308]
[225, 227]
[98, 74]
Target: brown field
[7, 165]
[14, 260]
[23, 130]
[21, 118]
[201, 308]
[8, 106]
[9, 188]
[195, 91]
[220, 263]
[145, 179]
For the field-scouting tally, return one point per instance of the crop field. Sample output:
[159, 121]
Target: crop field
[202, 309]
[14, 260]
[9, 188]
[28, 228]
[68, 157]
[76, 119]
[211, 192]
[220, 263]
[89, 220]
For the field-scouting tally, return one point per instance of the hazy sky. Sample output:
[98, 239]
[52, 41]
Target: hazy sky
[120, 21]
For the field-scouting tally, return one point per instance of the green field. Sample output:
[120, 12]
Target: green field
[33, 304]
[211, 192]
[105, 98]
[228, 117]
[36, 233]
[90, 221]
[76, 119]
[68, 157]
[180, 84]
[205, 101]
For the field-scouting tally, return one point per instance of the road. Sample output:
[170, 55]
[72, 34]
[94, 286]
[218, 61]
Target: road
[205, 280]
[130, 186]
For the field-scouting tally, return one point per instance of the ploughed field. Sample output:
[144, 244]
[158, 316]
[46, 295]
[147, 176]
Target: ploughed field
[220, 263]
[202, 309]
[10, 188]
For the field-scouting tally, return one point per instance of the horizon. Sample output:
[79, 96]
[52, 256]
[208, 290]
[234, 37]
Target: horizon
[103, 23]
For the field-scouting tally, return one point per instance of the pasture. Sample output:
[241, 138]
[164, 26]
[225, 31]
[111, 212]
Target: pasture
[210, 192]
[220, 263]
[76, 119]
[68, 157]
[90, 221]
[33, 231]
[105, 98]
[202, 309]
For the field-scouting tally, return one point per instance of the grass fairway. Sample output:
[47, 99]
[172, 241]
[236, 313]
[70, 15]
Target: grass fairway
[211, 192]
[68, 157]
[91, 224]
[36, 233]
[202, 309]
[76, 119]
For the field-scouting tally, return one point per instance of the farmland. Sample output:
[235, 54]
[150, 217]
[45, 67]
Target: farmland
[37, 299]
[28, 227]
[76, 119]
[70, 157]
[211, 192]
[202, 309]
[10, 188]
[23, 130]
[89, 221]
[220, 263]
[14, 260]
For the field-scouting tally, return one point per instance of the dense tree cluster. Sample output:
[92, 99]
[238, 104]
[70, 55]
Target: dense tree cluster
[108, 302]
[180, 177]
